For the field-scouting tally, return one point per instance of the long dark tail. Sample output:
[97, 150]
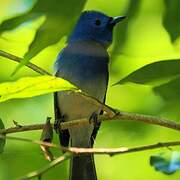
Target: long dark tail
[83, 168]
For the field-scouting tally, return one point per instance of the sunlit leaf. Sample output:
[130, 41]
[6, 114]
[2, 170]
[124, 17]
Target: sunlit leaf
[120, 34]
[2, 141]
[12, 23]
[157, 72]
[4, 173]
[33, 86]
[167, 163]
[169, 91]
[60, 17]
[59, 20]
[172, 17]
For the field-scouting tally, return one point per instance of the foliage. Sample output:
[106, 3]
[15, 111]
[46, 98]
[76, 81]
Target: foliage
[164, 75]
[2, 141]
[172, 17]
[121, 32]
[33, 86]
[145, 52]
[48, 33]
[154, 73]
[4, 175]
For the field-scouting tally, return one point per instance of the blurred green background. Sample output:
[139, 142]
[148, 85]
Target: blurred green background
[140, 40]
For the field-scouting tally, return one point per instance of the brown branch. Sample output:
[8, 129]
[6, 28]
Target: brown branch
[30, 65]
[149, 120]
[40, 172]
[109, 110]
[121, 116]
[108, 151]
[31, 141]
[22, 128]
[111, 114]
[78, 151]
[121, 150]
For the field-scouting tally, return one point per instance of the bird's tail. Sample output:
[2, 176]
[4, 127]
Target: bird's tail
[83, 168]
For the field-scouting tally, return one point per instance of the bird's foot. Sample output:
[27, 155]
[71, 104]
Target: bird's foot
[94, 119]
[57, 124]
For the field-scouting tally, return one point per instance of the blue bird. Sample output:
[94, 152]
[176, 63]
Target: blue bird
[84, 62]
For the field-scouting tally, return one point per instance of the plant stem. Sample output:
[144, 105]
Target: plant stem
[30, 65]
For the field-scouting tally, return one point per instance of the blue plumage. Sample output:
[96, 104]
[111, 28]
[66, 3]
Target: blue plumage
[87, 65]
[93, 25]
[84, 62]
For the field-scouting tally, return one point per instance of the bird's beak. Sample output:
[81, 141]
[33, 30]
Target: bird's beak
[117, 19]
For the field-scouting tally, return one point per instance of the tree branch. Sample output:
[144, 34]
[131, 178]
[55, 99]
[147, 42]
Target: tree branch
[111, 114]
[108, 151]
[119, 116]
[40, 172]
[30, 65]
[121, 150]
[109, 110]
[79, 151]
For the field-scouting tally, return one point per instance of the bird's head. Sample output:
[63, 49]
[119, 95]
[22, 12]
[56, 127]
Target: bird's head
[95, 26]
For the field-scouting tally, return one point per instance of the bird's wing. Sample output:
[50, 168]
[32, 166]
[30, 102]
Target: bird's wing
[58, 60]
[63, 134]
[96, 128]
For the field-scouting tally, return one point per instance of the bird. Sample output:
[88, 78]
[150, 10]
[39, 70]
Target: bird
[84, 62]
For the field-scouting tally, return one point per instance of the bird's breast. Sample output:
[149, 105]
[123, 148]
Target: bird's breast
[88, 74]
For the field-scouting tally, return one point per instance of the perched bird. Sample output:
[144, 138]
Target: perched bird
[84, 62]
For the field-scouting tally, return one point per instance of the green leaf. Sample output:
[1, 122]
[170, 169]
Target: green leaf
[157, 72]
[33, 86]
[60, 18]
[2, 141]
[120, 34]
[169, 91]
[4, 171]
[166, 163]
[12, 23]
[19, 17]
[171, 18]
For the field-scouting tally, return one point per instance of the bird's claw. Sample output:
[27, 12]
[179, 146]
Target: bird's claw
[94, 119]
[57, 124]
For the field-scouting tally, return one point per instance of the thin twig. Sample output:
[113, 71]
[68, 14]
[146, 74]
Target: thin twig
[40, 172]
[121, 116]
[107, 151]
[30, 65]
[110, 151]
[109, 110]
[31, 141]
[78, 151]
[121, 150]
[111, 114]
[22, 128]
[149, 120]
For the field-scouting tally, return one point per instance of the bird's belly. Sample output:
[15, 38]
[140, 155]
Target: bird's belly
[74, 107]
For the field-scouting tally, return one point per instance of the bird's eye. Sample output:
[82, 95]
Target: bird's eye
[97, 22]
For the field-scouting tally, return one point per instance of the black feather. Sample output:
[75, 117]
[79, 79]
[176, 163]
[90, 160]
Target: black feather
[63, 134]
